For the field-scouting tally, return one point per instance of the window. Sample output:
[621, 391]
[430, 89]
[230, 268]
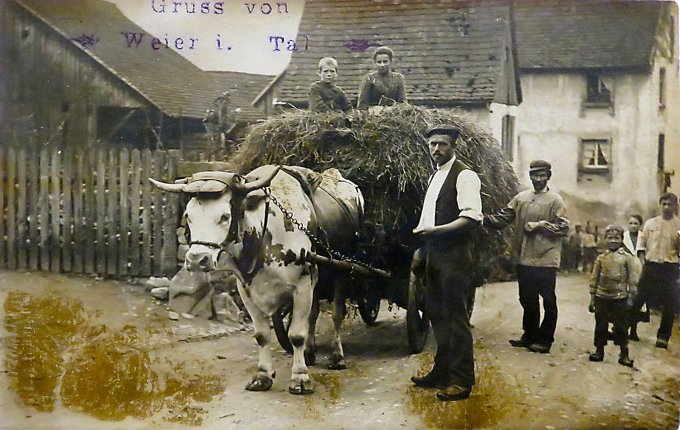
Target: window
[662, 88]
[508, 131]
[597, 93]
[661, 154]
[595, 155]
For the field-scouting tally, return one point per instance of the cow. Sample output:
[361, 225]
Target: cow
[233, 226]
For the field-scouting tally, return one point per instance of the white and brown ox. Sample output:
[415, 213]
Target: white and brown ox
[234, 226]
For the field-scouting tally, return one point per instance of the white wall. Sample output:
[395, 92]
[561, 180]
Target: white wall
[671, 114]
[550, 122]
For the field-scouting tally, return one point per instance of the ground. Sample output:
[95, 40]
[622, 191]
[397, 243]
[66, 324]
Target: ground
[77, 352]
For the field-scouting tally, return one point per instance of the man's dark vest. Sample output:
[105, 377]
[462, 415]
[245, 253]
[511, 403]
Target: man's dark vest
[447, 208]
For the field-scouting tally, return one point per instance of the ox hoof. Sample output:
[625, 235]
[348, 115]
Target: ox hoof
[260, 383]
[301, 388]
[338, 366]
[337, 362]
[310, 358]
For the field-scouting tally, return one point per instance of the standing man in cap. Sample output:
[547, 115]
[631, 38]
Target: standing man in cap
[540, 225]
[452, 208]
[658, 246]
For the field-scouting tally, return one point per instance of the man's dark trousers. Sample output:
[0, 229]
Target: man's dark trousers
[534, 282]
[658, 286]
[447, 285]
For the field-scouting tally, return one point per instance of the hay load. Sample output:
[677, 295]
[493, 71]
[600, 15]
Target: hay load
[386, 155]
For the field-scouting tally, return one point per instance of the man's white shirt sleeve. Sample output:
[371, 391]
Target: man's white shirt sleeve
[469, 200]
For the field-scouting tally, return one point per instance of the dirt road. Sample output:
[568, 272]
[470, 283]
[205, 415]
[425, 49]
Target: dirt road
[76, 352]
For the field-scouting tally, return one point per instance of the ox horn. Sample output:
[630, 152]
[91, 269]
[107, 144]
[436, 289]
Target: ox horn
[172, 188]
[259, 183]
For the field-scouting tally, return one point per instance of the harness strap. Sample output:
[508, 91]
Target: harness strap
[343, 206]
[258, 261]
[298, 177]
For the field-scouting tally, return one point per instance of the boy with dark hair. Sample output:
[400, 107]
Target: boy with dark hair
[613, 285]
[324, 95]
[658, 247]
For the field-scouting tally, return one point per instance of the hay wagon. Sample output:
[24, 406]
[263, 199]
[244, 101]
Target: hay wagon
[386, 156]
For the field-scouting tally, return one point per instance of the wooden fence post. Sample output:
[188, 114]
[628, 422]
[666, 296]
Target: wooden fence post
[89, 212]
[157, 238]
[55, 202]
[11, 209]
[146, 214]
[66, 211]
[169, 252]
[3, 200]
[78, 225]
[135, 219]
[101, 212]
[44, 200]
[113, 226]
[22, 203]
[124, 211]
[34, 208]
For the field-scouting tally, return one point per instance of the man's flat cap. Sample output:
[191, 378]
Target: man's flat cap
[539, 165]
[448, 130]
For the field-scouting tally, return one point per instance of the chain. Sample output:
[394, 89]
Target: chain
[313, 238]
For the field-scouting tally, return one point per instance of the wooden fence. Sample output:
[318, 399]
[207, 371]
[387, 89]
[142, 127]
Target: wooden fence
[87, 212]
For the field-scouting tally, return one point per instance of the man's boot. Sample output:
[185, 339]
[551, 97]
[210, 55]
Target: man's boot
[633, 332]
[623, 357]
[598, 355]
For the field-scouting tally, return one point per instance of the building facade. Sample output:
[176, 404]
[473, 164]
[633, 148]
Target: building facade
[600, 103]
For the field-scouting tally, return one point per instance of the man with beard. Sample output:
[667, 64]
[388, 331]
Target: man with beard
[540, 225]
[452, 208]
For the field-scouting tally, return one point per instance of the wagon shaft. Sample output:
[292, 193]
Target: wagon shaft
[348, 265]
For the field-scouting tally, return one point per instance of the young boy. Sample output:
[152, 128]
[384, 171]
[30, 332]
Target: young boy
[613, 286]
[324, 95]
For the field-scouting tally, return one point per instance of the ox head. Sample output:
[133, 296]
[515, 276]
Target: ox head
[214, 213]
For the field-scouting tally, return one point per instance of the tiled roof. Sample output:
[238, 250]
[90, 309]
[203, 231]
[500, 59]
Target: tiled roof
[164, 77]
[449, 52]
[568, 34]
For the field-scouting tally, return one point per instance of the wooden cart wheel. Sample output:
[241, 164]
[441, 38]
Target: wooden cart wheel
[417, 323]
[369, 303]
[281, 321]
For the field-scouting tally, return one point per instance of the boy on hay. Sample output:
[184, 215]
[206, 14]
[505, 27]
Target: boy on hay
[613, 286]
[324, 95]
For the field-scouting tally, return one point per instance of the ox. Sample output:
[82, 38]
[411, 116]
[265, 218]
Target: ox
[234, 227]
[339, 207]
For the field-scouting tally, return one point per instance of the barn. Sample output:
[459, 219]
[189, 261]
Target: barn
[72, 78]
